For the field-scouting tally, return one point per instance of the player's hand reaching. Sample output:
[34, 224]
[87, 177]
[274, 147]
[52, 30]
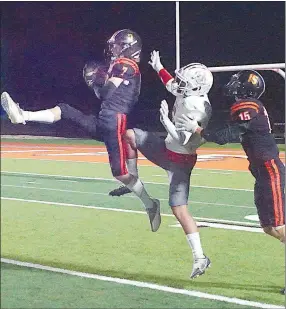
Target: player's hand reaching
[164, 111]
[155, 61]
[188, 124]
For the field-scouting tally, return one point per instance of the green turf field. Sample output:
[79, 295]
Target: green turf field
[59, 214]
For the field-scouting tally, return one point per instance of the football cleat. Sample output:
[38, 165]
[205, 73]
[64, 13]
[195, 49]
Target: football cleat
[282, 291]
[120, 191]
[200, 266]
[154, 215]
[13, 110]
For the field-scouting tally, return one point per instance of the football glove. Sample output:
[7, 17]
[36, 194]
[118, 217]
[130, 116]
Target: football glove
[188, 124]
[164, 111]
[155, 61]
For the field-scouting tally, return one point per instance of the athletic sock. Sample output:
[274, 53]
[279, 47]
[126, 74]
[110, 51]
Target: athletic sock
[132, 166]
[195, 243]
[39, 116]
[138, 189]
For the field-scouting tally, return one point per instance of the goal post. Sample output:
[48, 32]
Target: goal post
[276, 67]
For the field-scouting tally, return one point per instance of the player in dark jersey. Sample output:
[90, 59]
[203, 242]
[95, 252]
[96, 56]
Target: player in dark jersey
[119, 96]
[250, 124]
[118, 91]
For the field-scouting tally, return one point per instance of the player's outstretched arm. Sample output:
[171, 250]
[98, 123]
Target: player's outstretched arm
[164, 75]
[227, 133]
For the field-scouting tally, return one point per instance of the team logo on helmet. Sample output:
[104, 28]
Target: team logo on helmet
[253, 79]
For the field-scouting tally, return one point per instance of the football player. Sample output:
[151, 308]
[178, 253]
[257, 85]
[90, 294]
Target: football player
[177, 153]
[119, 96]
[119, 91]
[250, 124]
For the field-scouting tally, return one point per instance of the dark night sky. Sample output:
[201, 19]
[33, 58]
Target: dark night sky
[44, 45]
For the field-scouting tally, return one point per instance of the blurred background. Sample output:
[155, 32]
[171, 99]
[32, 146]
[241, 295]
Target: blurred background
[44, 46]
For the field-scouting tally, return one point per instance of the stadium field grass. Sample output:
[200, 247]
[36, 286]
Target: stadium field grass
[55, 213]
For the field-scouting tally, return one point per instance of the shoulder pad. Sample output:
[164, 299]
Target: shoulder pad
[124, 68]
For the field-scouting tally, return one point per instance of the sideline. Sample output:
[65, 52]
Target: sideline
[143, 285]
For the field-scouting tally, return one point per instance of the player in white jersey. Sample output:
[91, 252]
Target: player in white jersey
[177, 153]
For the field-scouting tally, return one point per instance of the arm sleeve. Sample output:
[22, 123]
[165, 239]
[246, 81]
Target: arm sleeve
[229, 133]
[165, 76]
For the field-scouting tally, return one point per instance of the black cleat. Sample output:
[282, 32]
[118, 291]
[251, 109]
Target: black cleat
[120, 191]
[282, 291]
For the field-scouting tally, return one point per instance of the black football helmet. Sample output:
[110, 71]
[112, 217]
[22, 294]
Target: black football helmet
[124, 43]
[245, 84]
[95, 74]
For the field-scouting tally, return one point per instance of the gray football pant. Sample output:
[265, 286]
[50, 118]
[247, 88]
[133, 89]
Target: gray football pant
[154, 149]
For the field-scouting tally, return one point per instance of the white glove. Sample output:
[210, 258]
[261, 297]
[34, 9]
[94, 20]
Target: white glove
[155, 61]
[164, 112]
[188, 124]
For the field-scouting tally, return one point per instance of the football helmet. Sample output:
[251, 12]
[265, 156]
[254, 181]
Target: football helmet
[124, 43]
[245, 84]
[194, 79]
[95, 74]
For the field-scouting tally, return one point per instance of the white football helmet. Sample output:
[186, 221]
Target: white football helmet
[194, 79]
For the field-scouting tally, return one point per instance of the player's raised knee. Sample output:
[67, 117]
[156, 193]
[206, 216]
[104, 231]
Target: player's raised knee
[129, 138]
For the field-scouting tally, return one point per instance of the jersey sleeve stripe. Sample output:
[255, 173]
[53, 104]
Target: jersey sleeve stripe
[235, 106]
[130, 62]
[243, 106]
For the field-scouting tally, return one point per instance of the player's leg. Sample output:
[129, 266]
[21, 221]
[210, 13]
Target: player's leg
[86, 122]
[150, 145]
[131, 161]
[116, 147]
[270, 198]
[179, 177]
[18, 115]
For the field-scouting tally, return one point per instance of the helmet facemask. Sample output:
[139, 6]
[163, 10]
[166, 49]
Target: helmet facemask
[231, 88]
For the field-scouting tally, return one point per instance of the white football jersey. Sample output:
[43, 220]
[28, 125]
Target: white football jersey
[198, 107]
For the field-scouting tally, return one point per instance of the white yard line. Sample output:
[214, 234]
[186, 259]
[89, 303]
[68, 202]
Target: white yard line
[139, 159]
[251, 225]
[224, 226]
[126, 196]
[141, 284]
[54, 148]
[114, 180]
[223, 173]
